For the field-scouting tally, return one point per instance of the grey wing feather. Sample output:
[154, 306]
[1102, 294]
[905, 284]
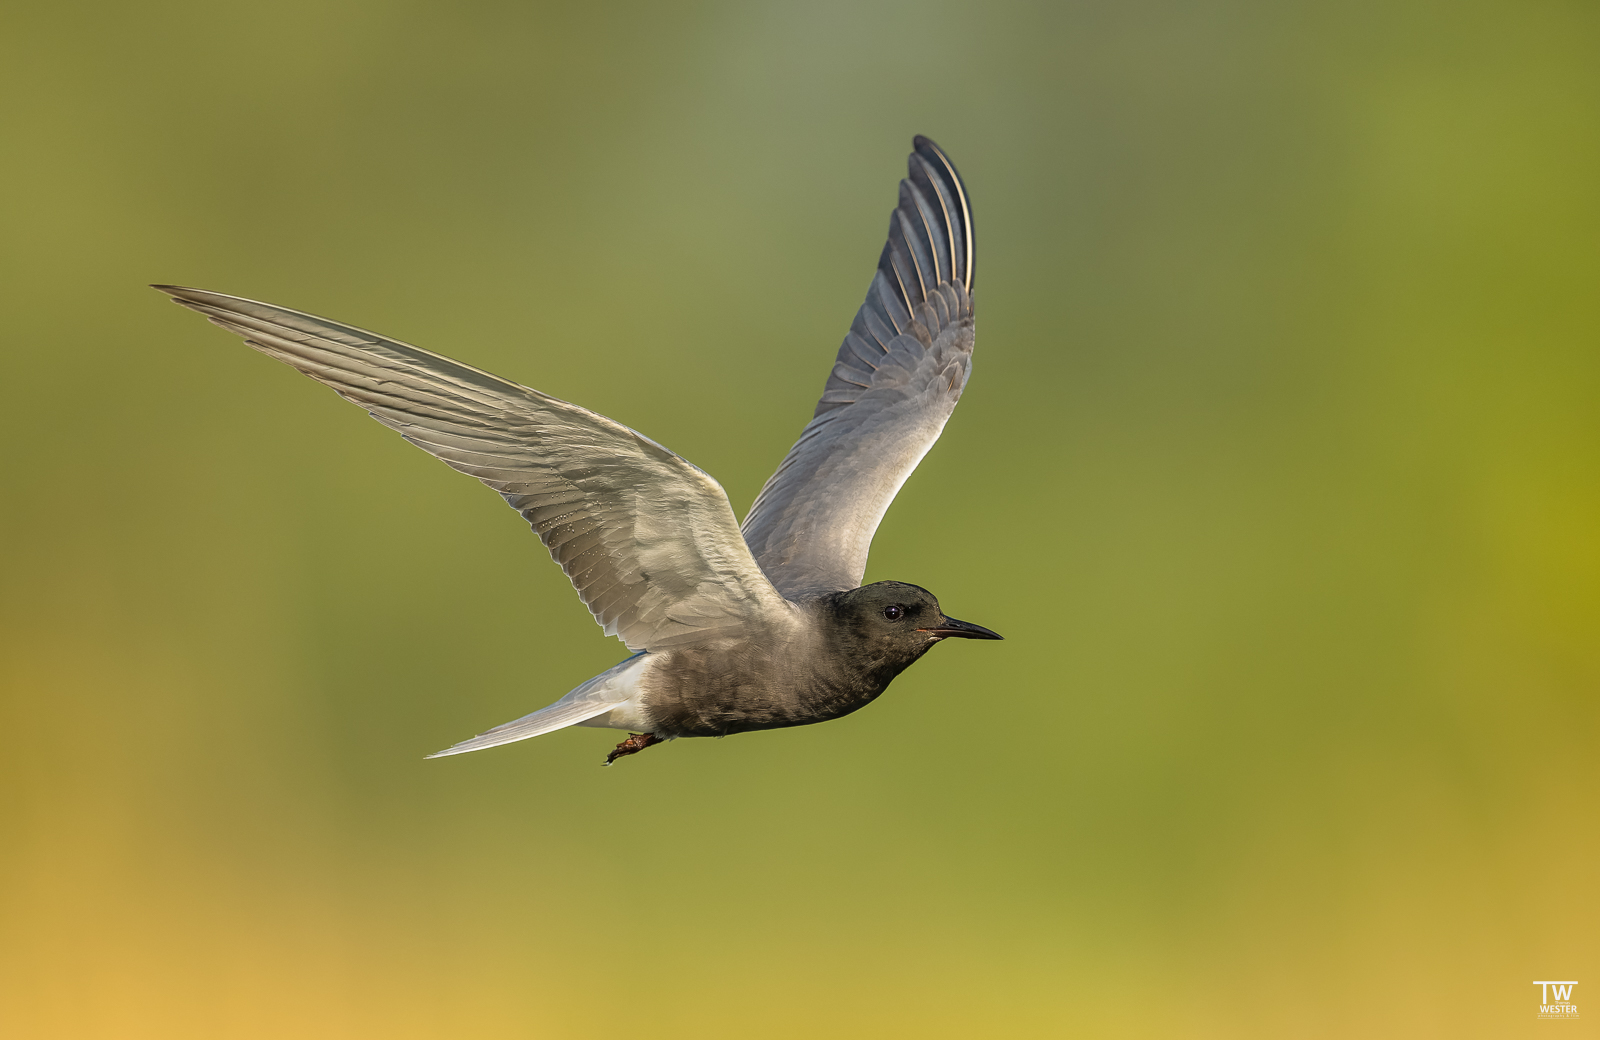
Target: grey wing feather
[649, 540]
[896, 380]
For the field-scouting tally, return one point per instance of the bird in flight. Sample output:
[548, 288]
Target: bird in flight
[733, 629]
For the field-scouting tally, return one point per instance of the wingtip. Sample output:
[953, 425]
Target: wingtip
[188, 295]
[924, 144]
[184, 296]
[930, 151]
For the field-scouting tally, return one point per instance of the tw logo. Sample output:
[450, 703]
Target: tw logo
[1562, 1006]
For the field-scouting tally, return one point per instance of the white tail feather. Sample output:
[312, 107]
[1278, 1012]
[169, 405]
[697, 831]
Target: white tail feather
[605, 692]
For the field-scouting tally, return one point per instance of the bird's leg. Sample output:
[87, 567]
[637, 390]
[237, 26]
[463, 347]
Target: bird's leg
[635, 743]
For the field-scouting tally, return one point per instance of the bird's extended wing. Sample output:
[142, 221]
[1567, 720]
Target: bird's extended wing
[897, 378]
[649, 540]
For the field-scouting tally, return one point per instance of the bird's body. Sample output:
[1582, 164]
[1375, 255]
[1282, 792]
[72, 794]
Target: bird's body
[826, 661]
[719, 690]
[736, 630]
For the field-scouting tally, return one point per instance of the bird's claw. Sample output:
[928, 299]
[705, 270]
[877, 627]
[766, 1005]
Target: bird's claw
[635, 743]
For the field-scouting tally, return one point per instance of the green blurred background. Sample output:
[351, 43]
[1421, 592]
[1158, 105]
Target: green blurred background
[1279, 470]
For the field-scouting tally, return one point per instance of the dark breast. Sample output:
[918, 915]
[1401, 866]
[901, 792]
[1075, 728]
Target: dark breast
[712, 692]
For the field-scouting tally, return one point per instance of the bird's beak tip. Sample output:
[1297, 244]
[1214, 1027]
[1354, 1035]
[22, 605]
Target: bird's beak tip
[949, 627]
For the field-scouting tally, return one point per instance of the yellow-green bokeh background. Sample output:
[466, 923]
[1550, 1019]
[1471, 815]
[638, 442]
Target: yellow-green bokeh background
[1279, 470]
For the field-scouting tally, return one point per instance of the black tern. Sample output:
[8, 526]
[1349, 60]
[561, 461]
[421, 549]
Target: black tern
[732, 629]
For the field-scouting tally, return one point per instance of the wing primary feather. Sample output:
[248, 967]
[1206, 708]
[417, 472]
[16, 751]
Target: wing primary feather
[924, 172]
[924, 242]
[882, 295]
[908, 236]
[891, 254]
[920, 143]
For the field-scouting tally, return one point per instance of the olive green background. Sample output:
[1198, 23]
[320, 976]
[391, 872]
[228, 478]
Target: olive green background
[1279, 470]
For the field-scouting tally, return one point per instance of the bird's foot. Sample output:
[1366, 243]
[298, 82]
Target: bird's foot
[635, 743]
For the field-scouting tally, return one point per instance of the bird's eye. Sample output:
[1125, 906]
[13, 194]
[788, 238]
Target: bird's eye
[894, 613]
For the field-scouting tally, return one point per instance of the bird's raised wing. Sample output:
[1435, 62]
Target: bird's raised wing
[649, 540]
[897, 378]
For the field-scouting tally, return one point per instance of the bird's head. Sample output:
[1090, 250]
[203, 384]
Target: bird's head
[901, 619]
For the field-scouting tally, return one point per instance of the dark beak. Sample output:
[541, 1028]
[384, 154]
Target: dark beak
[965, 629]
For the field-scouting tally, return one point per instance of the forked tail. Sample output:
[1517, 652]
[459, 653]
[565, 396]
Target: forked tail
[606, 691]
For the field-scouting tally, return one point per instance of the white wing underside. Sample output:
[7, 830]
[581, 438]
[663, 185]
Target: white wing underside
[897, 378]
